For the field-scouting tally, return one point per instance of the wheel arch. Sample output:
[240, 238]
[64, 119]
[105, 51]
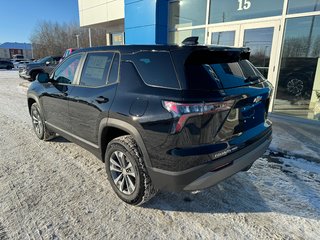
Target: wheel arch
[32, 71]
[111, 128]
[31, 100]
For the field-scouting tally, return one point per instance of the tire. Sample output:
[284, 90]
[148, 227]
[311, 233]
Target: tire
[126, 171]
[38, 124]
[8, 67]
[33, 75]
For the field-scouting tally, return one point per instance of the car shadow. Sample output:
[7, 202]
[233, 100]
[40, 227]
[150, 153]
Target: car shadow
[60, 139]
[245, 193]
[236, 194]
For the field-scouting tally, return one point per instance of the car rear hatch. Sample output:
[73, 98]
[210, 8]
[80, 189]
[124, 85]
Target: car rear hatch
[225, 101]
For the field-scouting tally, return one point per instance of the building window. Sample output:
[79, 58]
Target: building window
[232, 10]
[298, 91]
[177, 37]
[299, 6]
[187, 13]
[225, 38]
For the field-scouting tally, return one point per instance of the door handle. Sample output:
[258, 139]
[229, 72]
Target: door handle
[102, 99]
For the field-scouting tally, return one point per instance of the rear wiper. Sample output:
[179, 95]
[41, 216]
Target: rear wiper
[253, 79]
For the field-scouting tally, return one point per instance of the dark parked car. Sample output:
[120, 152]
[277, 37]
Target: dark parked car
[6, 65]
[160, 117]
[44, 65]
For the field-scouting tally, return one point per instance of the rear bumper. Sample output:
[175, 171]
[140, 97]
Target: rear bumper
[209, 174]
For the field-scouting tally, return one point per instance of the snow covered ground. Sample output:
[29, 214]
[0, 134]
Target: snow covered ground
[57, 190]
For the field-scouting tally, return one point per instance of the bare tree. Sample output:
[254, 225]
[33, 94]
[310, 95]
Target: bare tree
[50, 38]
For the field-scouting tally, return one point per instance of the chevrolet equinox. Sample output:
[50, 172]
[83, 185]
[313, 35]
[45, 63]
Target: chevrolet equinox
[161, 117]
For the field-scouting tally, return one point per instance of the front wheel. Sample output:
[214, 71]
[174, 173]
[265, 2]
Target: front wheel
[126, 171]
[33, 75]
[38, 123]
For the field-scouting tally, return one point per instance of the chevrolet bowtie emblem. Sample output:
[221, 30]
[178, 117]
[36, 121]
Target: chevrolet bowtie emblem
[257, 99]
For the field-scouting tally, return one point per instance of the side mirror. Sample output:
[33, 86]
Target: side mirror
[43, 78]
[47, 63]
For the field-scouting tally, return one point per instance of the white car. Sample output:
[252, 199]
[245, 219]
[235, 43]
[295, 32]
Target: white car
[19, 63]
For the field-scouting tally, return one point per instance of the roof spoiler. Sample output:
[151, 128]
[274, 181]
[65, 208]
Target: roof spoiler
[214, 56]
[190, 41]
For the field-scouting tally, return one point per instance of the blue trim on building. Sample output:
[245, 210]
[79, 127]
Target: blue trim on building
[146, 21]
[15, 45]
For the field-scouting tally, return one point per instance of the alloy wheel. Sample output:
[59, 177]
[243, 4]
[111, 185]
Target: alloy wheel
[37, 123]
[295, 87]
[122, 172]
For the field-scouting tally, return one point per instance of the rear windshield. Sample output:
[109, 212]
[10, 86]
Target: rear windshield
[214, 70]
[156, 69]
[221, 75]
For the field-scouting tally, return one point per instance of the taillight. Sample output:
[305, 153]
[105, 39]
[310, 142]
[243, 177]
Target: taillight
[183, 111]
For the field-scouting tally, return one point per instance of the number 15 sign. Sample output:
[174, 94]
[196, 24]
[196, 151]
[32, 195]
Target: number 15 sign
[244, 5]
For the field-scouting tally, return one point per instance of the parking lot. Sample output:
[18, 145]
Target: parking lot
[57, 190]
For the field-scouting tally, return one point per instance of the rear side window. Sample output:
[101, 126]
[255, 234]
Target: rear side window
[113, 76]
[156, 69]
[96, 69]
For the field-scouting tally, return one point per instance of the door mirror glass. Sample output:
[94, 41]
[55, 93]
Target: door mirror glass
[47, 63]
[43, 78]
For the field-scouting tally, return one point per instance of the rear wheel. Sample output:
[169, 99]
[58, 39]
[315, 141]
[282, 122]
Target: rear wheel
[8, 67]
[126, 171]
[38, 123]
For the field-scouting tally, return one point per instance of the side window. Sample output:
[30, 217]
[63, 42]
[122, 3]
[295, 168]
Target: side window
[96, 69]
[66, 71]
[156, 69]
[113, 76]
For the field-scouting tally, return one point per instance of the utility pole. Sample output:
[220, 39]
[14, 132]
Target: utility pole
[77, 36]
[90, 44]
[32, 50]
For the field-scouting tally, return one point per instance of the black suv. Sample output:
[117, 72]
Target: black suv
[44, 65]
[6, 65]
[160, 117]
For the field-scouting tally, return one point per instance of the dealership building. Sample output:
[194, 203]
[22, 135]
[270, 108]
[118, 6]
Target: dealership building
[283, 36]
[10, 49]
